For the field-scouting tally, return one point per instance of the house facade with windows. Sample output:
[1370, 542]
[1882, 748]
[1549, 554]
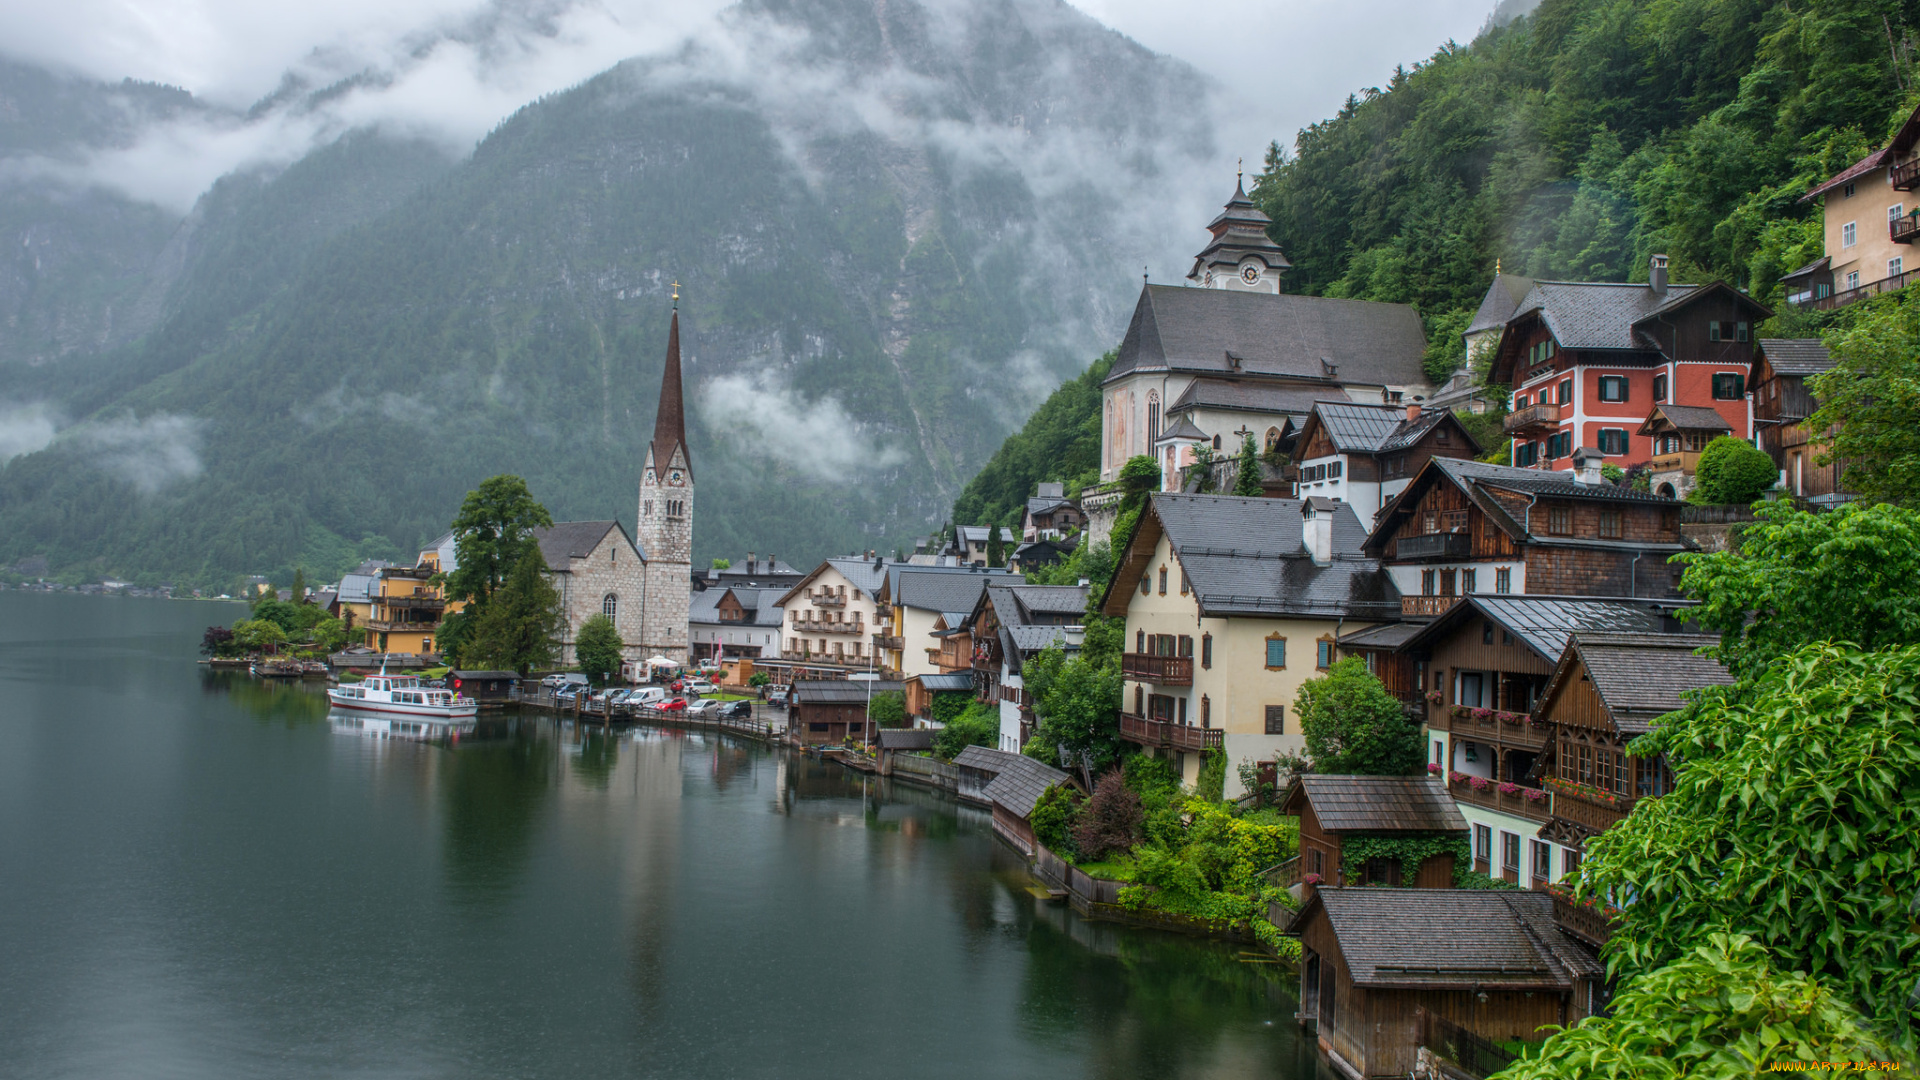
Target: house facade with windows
[1364, 455]
[1009, 625]
[1782, 402]
[735, 621]
[1050, 515]
[1588, 361]
[832, 614]
[1870, 218]
[917, 605]
[1464, 528]
[1334, 809]
[1230, 605]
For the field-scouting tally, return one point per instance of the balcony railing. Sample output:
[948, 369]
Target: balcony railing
[1447, 545]
[1902, 230]
[1905, 176]
[1872, 288]
[1593, 925]
[819, 626]
[1163, 733]
[1532, 416]
[417, 603]
[1499, 727]
[1161, 670]
[827, 599]
[1426, 605]
[1517, 804]
[889, 641]
[1591, 813]
[1683, 462]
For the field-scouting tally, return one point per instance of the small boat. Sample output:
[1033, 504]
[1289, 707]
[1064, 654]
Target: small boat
[402, 695]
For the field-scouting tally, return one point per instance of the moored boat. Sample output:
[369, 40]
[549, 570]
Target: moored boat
[402, 695]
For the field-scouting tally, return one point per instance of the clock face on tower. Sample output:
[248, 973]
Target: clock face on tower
[1250, 274]
[675, 478]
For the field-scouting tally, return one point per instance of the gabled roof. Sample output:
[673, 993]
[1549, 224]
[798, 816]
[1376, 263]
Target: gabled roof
[1383, 638]
[1503, 297]
[1795, 356]
[906, 739]
[1182, 428]
[1903, 142]
[1435, 938]
[1376, 803]
[761, 604]
[839, 691]
[565, 540]
[1638, 676]
[977, 534]
[1543, 623]
[937, 591]
[1193, 330]
[958, 680]
[1355, 428]
[1014, 608]
[1685, 418]
[1291, 401]
[1248, 556]
[862, 574]
[1040, 504]
[1821, 263]
[1477, 480]
[890, 589]
[1601, 315]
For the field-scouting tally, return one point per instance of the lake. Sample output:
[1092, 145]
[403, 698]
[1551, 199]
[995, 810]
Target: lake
[201, 876]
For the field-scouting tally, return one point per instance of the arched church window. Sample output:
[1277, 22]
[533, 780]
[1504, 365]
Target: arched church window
[1273, 440]
[608, 603]
[1216, 442]
[1153, 417]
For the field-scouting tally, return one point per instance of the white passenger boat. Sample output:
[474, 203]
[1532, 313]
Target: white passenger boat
[402, 695]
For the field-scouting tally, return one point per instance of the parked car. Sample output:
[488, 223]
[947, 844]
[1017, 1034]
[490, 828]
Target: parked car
[737, 710]
[616, 698]
[647, 697]
[700, 686]
[676, 705]
[568, 678]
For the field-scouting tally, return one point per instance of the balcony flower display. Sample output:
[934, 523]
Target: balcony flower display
[1513, 718]
[1586, 791]
[1482, 715]
[1533, 794]
[1480, 783]
[1456, 777]
[1508, 787]
[1435, 697]
[1433, 768]
[1313, 879]
[1461, 712]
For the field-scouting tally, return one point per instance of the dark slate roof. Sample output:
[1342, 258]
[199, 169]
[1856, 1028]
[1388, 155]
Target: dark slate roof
[1693, 417]
[1381, 803]
[984, 758]
[1052, 599]
[1183, 429]
[1384, 636]
[1503, 296]
[896, 569]
[1415, 938]
[1543, 623]
[1246, 556]
[573, 540]
[938, 591]
[1797, 356]
[1292, 400]
[839, 691]
[1598, 315]
[325, 598]
[486, 675]
[1020, 783]
[1182, 329]
[951, 681]
[1820, 263]
[906, 738]
[1357, 428]
[1542, 482]
[860, 572]
[978, 534]
[1040, 504]
[1641, 676]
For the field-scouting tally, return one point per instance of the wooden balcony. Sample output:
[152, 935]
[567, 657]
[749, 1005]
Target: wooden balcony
[1516, 804]
[1521, 736]
[413, 603]
[1531, 417]
[1685, 462]
[827, 599]
[1445, 545]
[817, 626]
[1593, 925]
[1168, 735]
[1905, 176]
[1872, 288]
[1160, 670]
[1426, 606]
[889, 641]
[1902, 230]
[1592, 814]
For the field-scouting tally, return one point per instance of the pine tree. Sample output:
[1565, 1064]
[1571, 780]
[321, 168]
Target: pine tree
[299, 595]
[1246, 480]
[996, 550]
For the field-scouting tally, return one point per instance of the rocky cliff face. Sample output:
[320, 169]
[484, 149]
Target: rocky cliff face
[895, 227]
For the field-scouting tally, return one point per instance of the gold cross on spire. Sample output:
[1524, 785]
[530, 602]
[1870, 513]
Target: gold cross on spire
[1239, 168]
[676, 295]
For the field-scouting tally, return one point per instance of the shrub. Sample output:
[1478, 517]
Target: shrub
[948, 704]
[1111, 820]
[978, 725]
[1732, 471]
[1053, 818]
[889, 709]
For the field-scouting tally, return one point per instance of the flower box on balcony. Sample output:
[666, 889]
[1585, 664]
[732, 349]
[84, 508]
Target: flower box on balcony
[1456, 777]
[1482, 715]
[1507, 787]
[1433, 769]
[1479, 783]
[1461, 712]
[1435, 697]
[1313, 879]
[1533, 794]
[1513, 718]
[1587, 792]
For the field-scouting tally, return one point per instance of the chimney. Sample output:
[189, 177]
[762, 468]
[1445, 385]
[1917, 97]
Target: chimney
[1657, 275]
[1586, 467]
[750, 566]
[1413, 412]
[1316, 529]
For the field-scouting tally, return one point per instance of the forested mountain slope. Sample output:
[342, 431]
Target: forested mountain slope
[867, 210]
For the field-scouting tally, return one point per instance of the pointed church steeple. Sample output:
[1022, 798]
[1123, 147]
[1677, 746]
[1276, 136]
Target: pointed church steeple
[670, 422]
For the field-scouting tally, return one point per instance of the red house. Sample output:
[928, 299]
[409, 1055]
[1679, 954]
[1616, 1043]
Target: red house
[1589, 361]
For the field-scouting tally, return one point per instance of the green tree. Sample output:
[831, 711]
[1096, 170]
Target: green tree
[519, 628]
[1850, 574]
[1869, 404]
[1076, 700]
[723, 564]
[329, 634]
[979, 725]
[889, 709]
[597, 649]
[491, 536]
[996, 550]
[1200, 475]
[1139, 478]
[299, 592]
[1353, 726]
[1721, 1011]
[1246, 474]
[1793, 822]
[259, 635]
[1733, 471]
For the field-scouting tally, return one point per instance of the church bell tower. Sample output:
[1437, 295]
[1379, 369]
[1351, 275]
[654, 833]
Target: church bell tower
[665, 529]
[1242, 257]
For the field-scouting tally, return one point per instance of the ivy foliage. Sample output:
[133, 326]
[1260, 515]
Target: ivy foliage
[1053, 818]
[976, 725]
[1410, 851]
[1794, 822]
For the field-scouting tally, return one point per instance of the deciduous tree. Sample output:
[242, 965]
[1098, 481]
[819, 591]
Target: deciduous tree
[1870, 402]
[520, 627]
[1353, 726]
[491, 534]
[597, 648]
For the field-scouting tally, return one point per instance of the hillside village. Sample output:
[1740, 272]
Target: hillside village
[1409, 643]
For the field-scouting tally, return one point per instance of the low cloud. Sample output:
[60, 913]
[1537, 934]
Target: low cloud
[774, 422]
[25, 429]
[152, 453]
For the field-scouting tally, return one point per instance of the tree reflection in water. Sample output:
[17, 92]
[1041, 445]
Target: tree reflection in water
[293, 702]
[496, 785]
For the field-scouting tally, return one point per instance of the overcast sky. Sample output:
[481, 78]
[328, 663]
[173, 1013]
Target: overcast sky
[1289, 61]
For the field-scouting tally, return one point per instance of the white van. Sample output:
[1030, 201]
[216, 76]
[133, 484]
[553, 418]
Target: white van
[646, 697]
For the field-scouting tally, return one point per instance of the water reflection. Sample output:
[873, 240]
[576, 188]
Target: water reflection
[288, 701]
[495, 787]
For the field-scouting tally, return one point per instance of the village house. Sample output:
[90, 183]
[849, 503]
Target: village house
[1009, 625]
[735, 621]
[1237, 355]
[974, 542]
[1464, 527]
[1034, 554]
[1011, 784]
[405, 609]
[922, 690]
[1337, 811]
[917, 604]
[1782, 401]
[1050, 515]
[832, 613]
[1230, 605]
[1477, 674]
[753, 573]
[830, 711]
[1679, 433]
[1870, 221]
[1386, 971]
[352, 601]
[597, 570]
[1607, 689]
[1589, 360]
[1364, 455]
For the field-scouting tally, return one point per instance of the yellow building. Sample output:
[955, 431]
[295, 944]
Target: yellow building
[1230, 605]
[1871, 214]
[405, 609]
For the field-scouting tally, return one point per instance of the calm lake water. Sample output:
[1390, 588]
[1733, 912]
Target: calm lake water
[201, 877]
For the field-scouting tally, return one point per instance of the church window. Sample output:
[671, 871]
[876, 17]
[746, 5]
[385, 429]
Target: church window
[1153, 417]
[608, 603]
[1163, 581]
[649, 508]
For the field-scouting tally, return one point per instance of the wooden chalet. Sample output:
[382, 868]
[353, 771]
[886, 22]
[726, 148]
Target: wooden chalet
[1376, 963]
[920, 690]
[1333, 809]
[828, 711]
[1679, 433]
[1607, 690]
[1463, 528]
[1781, 404]
[1364, 454]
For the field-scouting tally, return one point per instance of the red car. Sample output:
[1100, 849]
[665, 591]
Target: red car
[676, 705]
[677, 686]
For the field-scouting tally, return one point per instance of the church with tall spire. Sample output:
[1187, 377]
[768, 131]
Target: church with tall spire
[665, 529]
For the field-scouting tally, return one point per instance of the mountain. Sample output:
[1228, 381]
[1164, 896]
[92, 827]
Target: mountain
[894, 226]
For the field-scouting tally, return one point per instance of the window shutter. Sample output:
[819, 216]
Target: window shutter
[1276, 719]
